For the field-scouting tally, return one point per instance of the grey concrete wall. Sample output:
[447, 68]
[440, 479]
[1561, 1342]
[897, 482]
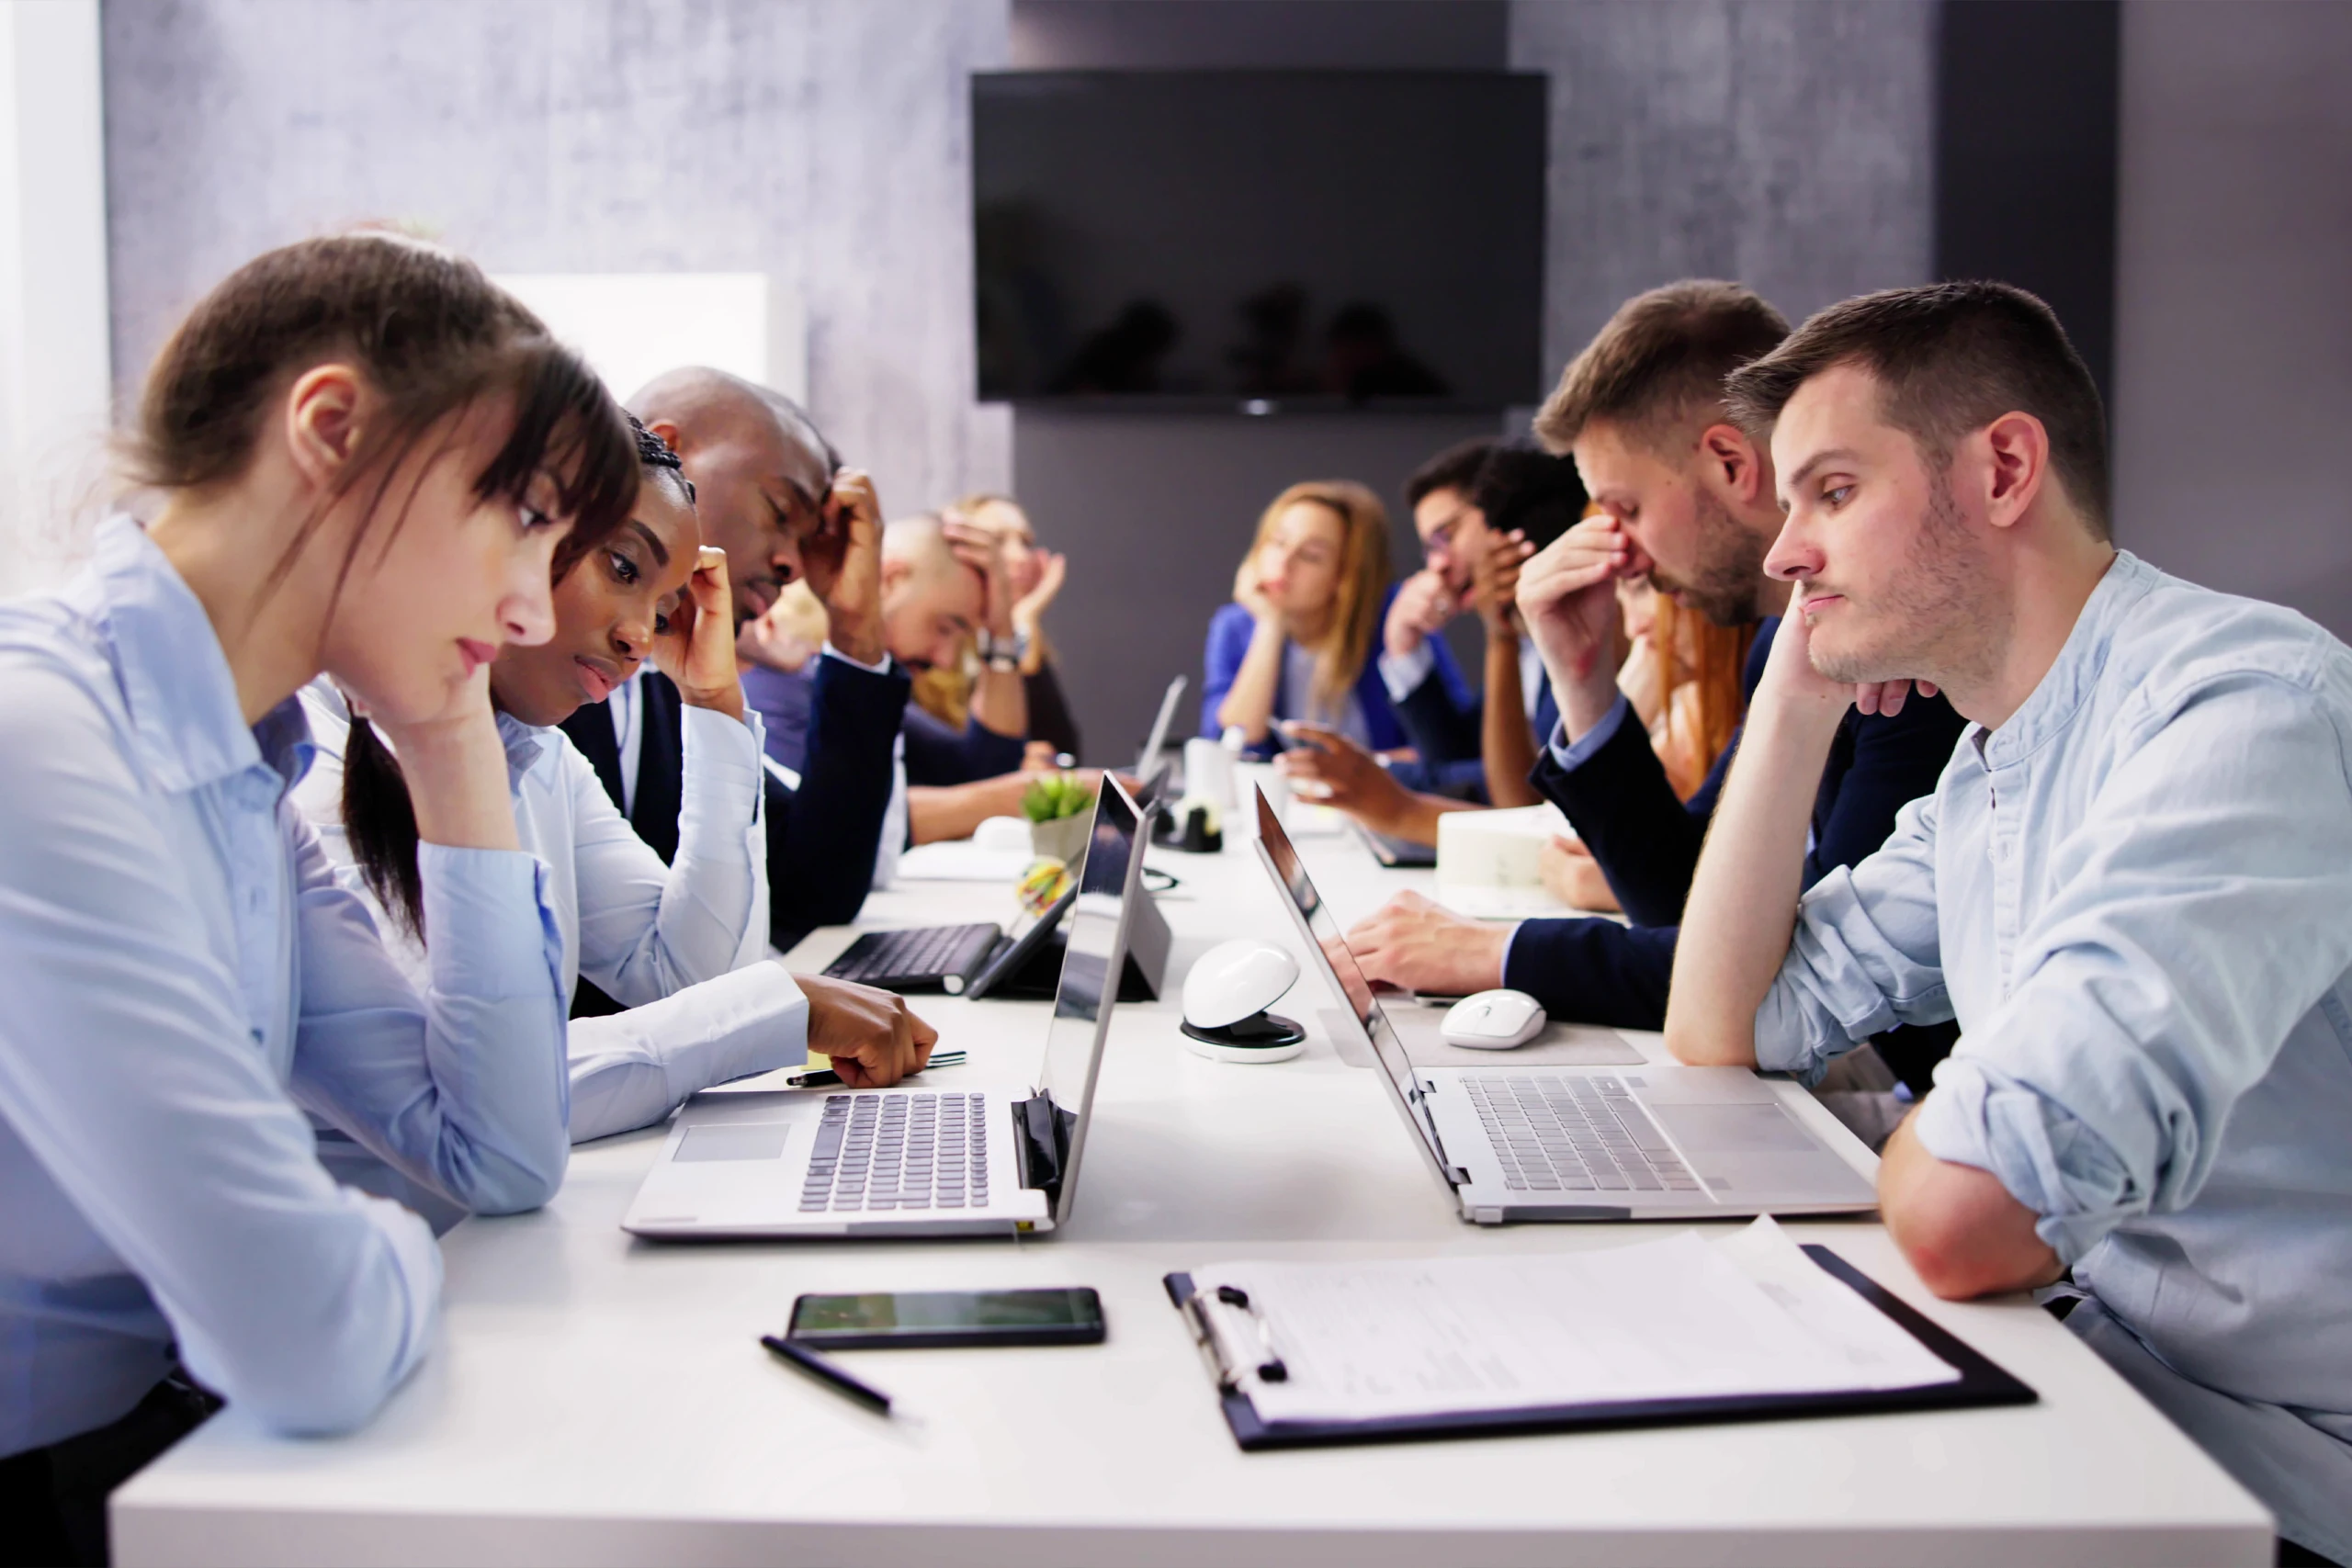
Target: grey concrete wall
[1786, 141]
[1788, 144]
[2234, 323]
[823, 141]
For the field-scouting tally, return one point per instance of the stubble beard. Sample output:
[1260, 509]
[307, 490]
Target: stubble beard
[1940, 620]
[1731, 568]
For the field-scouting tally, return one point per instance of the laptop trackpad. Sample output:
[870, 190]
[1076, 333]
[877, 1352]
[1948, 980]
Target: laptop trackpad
[752, 1139]
[1731, 1130]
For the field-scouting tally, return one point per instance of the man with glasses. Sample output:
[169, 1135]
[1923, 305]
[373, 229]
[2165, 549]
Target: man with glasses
[1482, 509]
[1415, 664]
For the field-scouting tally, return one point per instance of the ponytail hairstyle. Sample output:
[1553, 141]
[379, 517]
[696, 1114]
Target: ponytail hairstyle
[435, 339]
[379, 818]
[380, 824]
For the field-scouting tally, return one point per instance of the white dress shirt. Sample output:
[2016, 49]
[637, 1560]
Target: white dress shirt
[185, 977]
[626, 708]
[683, 946]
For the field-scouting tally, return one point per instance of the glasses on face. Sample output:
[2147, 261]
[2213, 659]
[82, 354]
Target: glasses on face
[1440, 539]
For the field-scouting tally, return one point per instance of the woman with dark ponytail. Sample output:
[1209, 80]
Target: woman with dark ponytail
[683, 945]
[368, 461]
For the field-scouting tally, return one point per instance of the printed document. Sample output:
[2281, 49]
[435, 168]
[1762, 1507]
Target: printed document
[1674, 1318]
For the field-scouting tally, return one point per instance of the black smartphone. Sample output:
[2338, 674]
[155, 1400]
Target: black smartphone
[1287, 737]
[1065, 1316]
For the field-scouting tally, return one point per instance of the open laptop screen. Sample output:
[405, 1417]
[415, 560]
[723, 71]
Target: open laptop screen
[1339, 967]
[1097, 927]
[1158, 740]
[1153, 766]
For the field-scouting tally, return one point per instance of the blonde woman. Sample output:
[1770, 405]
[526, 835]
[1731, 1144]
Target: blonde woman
[1296, 642]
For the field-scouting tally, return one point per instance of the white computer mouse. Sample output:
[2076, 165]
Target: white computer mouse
[1493, 1021]
[1235, 979]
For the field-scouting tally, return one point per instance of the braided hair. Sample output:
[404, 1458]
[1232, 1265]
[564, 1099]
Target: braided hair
[657, 453]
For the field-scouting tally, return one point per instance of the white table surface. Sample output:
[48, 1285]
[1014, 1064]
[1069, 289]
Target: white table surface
[599, 1399]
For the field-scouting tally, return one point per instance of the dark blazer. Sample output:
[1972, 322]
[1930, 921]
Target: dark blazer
[939, 753]
[1050, 716]
[1446, 734]
[1595, 971]
[822, 837]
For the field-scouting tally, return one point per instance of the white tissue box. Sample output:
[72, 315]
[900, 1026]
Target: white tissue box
[1486, 862]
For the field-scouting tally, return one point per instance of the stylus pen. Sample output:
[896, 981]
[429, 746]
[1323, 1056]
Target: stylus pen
[817, 1077]
[825, 1372]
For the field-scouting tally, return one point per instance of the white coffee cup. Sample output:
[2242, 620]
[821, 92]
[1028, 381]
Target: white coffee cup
[1249, 778]
[1209, 772]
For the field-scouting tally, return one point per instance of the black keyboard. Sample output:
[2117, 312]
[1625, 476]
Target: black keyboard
[925, 958]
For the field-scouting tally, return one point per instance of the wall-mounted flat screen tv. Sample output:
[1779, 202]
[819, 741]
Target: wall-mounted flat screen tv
[1266, 238]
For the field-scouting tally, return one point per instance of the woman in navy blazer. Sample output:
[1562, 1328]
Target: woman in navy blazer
[1296, 642]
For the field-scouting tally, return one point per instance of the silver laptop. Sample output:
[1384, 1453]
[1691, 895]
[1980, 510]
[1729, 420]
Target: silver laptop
[927, 1160]
[1149, 763]
[1549, 1143]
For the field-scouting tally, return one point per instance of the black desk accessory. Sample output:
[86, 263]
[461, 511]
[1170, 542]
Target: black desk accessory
[804, 1360]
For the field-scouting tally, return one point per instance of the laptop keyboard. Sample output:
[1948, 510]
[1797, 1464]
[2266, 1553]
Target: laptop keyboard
[1560, 1133]
[921, 953]
[897, 1149]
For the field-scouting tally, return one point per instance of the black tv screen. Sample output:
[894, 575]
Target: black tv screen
[1295, 237]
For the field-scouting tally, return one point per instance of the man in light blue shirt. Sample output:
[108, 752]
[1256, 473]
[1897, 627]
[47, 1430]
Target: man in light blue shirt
[2132, 884]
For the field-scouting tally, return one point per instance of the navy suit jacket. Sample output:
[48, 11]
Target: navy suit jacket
[939, 753]
[1596, 971]
[1446, 734]
[822, 837]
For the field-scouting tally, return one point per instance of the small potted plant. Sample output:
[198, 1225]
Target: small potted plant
[1058, 808]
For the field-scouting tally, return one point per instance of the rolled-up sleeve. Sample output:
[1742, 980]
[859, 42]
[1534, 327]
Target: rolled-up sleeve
[1864, 955]
[2198, 914]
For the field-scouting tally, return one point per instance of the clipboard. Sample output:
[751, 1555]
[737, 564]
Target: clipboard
[1981, 1384]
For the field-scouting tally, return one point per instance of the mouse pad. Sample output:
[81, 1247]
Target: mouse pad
[1558, 1044]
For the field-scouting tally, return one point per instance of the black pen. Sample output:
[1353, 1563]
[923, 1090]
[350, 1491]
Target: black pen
[817, 1077]
[824, 1371]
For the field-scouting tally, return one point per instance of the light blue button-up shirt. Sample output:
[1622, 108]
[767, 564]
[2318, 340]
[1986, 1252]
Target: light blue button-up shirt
[682, 947]
[181, 977]
[2136, 896]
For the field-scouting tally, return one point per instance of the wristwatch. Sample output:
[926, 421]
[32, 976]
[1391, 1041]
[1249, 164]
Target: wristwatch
[1003, 654]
